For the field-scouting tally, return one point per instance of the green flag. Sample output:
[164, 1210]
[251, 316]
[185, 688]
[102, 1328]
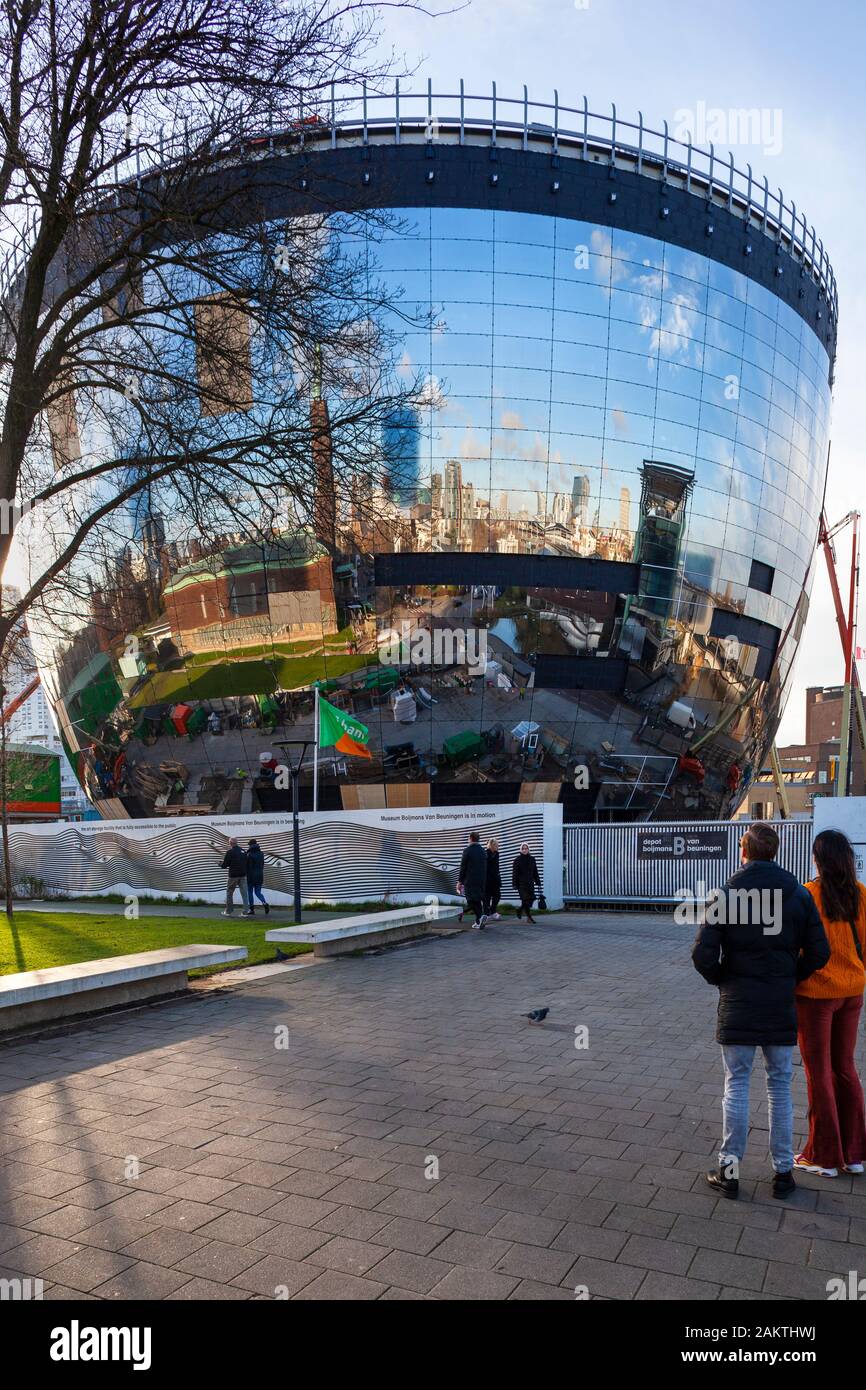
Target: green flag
[345, 733]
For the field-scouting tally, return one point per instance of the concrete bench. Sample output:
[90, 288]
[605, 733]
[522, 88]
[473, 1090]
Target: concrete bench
[346, 934]
[36, 996]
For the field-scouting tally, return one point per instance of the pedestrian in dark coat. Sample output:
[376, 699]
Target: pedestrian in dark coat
[493, 887]
[472, 878]
[255, 877]
[525, 880]
[235, 861]
[762, 936]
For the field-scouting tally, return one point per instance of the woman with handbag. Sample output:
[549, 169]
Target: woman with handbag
[525, 880]
[829, 1004]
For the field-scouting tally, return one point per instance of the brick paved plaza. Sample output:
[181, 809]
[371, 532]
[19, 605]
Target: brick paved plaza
[301, 1173]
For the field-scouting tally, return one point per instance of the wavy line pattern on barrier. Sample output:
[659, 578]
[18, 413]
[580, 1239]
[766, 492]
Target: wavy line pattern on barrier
[339, 859]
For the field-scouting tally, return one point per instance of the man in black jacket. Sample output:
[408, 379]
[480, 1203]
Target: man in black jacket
[760, 937]
[235, 861]
[472, 878]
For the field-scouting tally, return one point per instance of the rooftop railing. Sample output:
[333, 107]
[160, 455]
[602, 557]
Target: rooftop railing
[575, 132]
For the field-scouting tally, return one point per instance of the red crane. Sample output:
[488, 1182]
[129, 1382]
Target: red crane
[19, 699]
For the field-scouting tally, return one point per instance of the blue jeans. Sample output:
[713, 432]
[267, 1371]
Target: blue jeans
[738, 1061]
[254, 890]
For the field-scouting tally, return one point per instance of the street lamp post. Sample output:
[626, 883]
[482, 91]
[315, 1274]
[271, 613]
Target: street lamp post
[294, 766]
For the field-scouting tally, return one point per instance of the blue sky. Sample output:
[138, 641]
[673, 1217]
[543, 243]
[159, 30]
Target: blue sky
[801, 61]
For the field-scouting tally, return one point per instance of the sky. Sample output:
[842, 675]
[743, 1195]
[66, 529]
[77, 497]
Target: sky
[800, 64]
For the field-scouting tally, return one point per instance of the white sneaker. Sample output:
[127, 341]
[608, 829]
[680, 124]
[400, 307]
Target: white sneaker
[854, 1167]
[227, 914]
[496, 917]
[801, 1162]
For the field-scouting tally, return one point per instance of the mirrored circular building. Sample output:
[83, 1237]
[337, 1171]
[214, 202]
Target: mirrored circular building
[578, 567]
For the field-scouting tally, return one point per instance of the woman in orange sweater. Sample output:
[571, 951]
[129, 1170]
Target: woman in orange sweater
[828, 1015]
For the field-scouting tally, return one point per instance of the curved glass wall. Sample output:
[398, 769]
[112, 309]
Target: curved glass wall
[587, 394]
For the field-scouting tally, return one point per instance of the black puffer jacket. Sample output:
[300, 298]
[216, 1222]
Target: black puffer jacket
[757, 970]
[473, 871]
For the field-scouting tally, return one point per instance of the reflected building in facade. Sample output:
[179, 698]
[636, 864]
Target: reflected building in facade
[614, 483]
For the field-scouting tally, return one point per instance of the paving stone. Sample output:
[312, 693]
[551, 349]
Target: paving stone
[416, 1237]
[142, 1281]
[774, 1245]
[837, 1256]
[277, 1277]
[815, 1224]
[235, 1227]
[665, 1255]
[529, 1291]
[604, 1277]
[658, 1286]
[205, 1291]
[534, 1262]
[38, 1254]
[89, 1267]
[165, 1247]
[349, 1256]
[720, 1267]
[796, 1281]
[528, 1199]
[218, 1261]
[333, 1286]
[474, 1285]
[590, 1240]
[530, 1230]
[465, 1216]
[116, 1233]
[353, 1222]
[203, 1189]
[475, 1251]
[640, 1221]
[300, 1211]
[404, 1270]
[304, 1182]
[585, 1211]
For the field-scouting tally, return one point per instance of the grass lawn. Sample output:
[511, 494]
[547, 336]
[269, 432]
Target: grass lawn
[37, 940]
[224, 678]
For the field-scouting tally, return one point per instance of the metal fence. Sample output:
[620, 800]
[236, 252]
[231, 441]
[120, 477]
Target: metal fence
[346, 112]
[608, 863]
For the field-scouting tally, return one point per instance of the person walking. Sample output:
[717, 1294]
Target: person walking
[761, 937]
[829, 1005]
[235, 860]
[472, 878]
[255, 878]
[493, 885]
[525, 880]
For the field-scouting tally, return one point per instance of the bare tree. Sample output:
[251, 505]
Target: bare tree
[164, 319]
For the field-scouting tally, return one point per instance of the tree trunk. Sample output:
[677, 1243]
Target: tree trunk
[4, 813]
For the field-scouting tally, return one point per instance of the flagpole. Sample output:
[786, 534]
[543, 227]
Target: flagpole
[316, 753]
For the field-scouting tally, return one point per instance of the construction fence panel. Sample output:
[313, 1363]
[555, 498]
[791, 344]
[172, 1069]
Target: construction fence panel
[661, 861]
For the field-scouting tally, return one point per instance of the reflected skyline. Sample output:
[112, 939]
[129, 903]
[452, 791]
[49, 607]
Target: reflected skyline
[590, 395]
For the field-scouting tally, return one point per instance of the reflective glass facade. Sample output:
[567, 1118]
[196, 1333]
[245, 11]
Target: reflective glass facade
[590, 395]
